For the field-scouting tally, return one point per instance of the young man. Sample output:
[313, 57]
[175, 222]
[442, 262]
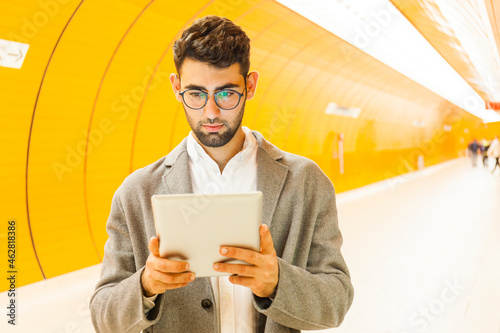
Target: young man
[298, 280]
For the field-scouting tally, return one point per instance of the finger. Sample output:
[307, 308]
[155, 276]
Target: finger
[159, 287]
[170, 266]
[238, 269]
[266, 240]
[175, 286]
[154, 246]
[249, 256]
[171, 278]
[242, 281]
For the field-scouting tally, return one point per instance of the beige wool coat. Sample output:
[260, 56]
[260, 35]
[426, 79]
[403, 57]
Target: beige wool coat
[314, 289]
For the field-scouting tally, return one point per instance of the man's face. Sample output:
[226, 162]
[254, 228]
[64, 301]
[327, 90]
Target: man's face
[214, 127]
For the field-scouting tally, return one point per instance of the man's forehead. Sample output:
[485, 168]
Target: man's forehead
[203, 74]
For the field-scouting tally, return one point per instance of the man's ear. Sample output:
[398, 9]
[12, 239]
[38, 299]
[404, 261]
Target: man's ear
[252, 79]
[176, 85]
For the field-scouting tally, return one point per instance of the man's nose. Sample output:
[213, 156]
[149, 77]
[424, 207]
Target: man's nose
[211, 110]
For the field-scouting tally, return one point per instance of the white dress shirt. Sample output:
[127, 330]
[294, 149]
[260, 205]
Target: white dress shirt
[234, 302]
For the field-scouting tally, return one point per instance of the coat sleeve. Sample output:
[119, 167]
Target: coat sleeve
[117, 304]
[319, 295]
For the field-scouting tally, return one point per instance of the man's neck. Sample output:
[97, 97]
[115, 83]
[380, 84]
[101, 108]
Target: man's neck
[222, 155]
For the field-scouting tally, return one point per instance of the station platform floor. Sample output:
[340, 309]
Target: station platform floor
[423, 250]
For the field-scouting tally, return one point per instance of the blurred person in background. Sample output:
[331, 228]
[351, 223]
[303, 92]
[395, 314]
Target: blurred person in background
[473, 147]
[485, 145]
[494, 151]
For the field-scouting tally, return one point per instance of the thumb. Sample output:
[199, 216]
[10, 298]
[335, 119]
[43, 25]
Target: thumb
[266, 241]
[154, 246]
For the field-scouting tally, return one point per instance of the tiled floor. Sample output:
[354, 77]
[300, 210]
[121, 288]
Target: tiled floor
[423, 250]
[56, 305]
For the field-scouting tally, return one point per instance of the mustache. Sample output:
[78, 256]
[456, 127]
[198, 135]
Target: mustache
[213, 121]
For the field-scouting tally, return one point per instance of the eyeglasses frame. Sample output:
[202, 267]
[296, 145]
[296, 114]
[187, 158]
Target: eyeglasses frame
[215, 99]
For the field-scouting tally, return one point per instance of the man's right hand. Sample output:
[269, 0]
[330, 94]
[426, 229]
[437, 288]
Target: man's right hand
[162, 274]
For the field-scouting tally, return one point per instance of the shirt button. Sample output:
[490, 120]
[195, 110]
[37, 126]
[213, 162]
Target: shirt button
[206, 304]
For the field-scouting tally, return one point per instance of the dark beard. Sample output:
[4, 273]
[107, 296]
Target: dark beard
[216, 140]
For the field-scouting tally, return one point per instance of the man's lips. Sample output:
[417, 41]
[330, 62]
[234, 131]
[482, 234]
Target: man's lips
[213, 128]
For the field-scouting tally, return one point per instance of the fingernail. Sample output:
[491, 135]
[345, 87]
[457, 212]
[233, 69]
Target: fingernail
[216, 266]
[265, 227]
[187, 267]
[192, 277]
[223, 250]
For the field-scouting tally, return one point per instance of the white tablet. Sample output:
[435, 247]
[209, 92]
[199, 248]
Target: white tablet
[193, 227]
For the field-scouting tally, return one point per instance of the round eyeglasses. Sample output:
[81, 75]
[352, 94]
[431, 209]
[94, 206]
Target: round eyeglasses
[226, 99]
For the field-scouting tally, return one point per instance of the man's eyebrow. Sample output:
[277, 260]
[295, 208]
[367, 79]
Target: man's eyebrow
[225, 86]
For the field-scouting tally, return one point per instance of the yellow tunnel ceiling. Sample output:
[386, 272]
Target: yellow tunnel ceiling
[92, 103]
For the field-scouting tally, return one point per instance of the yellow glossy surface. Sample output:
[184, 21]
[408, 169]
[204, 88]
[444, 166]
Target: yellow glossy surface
[92, 103]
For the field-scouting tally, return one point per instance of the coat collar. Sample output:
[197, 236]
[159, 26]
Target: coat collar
[271, 174]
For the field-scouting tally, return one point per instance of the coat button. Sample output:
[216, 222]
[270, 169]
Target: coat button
[206, 304]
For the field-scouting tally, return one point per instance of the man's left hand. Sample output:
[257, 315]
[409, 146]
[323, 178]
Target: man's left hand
[262, 277]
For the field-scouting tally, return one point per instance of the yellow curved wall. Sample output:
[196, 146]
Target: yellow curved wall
[92, 103]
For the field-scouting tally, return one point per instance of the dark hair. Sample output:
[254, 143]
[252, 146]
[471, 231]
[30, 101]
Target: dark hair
[214, 40]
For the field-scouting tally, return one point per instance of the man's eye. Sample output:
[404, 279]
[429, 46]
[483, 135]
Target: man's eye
[196, 94]
[226, 93]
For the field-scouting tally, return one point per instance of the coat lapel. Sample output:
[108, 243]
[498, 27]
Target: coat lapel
[271, 176]
[177, 178]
